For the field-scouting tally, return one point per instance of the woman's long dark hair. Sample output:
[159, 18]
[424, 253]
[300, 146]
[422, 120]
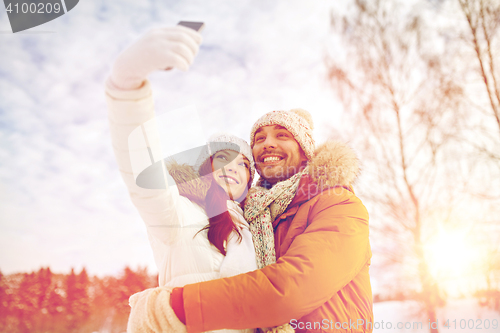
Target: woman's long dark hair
[220, 224]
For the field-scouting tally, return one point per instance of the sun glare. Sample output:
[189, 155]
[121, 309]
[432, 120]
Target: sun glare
[454, 260]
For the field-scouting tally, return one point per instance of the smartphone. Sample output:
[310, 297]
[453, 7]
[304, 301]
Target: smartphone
[197, 26]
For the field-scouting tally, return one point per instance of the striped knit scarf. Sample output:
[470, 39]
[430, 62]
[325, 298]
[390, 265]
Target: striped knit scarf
[261, 209]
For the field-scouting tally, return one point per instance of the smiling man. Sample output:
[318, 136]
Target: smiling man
[311, 239]
[277, 153]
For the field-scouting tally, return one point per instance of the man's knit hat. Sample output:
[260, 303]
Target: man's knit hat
[223, 141]
[296, 121]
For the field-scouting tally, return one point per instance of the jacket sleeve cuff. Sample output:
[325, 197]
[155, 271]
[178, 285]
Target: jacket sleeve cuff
[177, 303]
[116, 93]
[192, 307]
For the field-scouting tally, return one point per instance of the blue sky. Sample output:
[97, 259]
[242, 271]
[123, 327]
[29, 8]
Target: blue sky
[62, 201]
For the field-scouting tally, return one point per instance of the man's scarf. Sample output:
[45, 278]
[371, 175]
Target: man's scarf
[261, 209]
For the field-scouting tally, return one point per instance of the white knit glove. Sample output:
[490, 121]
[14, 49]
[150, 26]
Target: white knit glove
[151, 313]
[158, 49]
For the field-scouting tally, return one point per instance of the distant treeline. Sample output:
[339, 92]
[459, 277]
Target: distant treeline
[45, 302]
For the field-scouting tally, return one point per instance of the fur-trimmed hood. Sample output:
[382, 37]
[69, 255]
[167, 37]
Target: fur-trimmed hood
[189, 182]
[334, 164]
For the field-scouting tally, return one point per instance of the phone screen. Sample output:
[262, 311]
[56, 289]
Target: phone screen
[197, 26]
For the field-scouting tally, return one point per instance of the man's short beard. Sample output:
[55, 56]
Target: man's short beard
[281, 174]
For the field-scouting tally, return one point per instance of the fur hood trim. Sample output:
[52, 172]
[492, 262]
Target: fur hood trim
[189, 182]
[334, 164]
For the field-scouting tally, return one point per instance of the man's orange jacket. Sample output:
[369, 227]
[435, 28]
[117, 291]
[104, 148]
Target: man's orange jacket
[320, 281]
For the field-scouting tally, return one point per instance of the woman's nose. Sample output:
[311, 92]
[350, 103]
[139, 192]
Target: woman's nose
[231, 167]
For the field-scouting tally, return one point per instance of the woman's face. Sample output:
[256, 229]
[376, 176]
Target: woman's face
[231, 171]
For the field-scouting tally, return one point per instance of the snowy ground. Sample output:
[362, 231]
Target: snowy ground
[463, 316]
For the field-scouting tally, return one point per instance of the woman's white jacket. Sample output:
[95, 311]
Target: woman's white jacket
[173, 219]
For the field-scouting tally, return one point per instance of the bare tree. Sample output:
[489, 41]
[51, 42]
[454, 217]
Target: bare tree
[483, 18]
[479, 36]
[398, 74]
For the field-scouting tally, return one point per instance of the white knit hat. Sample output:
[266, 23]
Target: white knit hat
[223, 141]
[297, 121]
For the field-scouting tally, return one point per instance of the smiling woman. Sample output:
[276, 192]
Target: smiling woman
[230, 174]
[231, 170]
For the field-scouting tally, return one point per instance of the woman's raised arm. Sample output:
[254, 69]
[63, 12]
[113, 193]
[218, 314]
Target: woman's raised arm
[130, 107]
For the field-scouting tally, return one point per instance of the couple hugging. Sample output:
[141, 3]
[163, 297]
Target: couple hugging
[290, 253]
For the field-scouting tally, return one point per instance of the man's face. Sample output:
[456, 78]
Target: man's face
[277, 155]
